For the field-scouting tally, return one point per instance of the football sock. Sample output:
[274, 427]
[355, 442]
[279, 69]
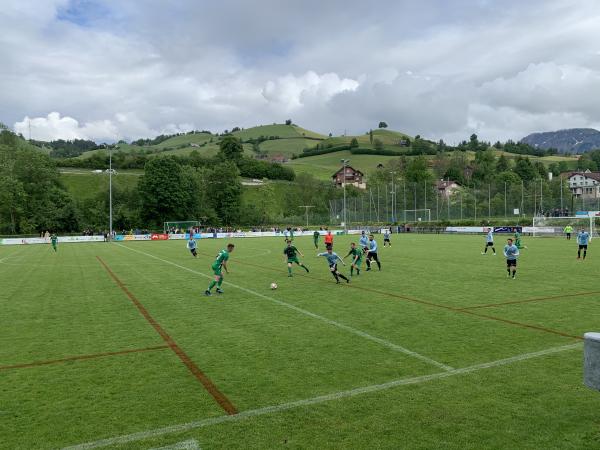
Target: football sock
[343, 277]
[351, 270]
[289, 270]
[378, 265]
[305, 268]
[211, 285]
[220, 282]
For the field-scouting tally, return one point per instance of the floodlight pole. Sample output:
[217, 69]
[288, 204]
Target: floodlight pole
[306, 208]
[110, 208]
[344, 165]
[393, 173]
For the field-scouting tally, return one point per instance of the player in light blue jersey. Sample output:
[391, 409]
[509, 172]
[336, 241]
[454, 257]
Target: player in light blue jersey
[191, 245]
[511, 253]
[583, 238]
[489, 242]
[364, 242]
[372, 254]
[386, 238]
[332, 259]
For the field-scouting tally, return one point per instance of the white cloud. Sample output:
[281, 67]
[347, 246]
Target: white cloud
[137, 69]
[292, 92]
[54, 127]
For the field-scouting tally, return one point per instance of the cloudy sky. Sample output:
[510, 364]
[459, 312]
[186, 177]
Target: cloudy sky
[123, 69]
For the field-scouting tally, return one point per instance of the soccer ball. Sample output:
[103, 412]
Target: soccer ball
[273, 285]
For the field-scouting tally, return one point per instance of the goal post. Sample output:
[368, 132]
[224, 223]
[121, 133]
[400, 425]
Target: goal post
[555, 226]
[417, 215]
[184, 225]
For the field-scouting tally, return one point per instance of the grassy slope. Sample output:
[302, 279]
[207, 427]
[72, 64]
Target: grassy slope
[324, 166]
[281, 130]
[260, 353]
[83, 183]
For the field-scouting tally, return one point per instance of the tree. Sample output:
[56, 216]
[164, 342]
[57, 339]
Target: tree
[541, 169]
[225, 192]
[230, 149]
[563, 167]
[382, 125]
[353, 143]
[164, 191]
[525, 169]
[288, 122]
[473, 143]
[485, 166]
[377, 144]
[502, 164]
[418, 170]
[371, 136]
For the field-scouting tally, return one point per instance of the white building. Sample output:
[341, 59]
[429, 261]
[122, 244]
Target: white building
[447, 187]
[583, 184]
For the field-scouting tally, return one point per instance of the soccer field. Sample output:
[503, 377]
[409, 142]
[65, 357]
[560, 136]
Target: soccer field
[116, 346]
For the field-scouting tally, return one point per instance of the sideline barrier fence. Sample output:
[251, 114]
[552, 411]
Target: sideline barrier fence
[164, 237]
[258, 234]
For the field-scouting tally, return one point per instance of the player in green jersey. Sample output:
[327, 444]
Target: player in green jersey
[316, 236]
[217, 267]
[290, 254]
[357, 255]
[54, 242]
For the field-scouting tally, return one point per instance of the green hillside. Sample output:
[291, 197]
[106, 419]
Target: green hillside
[324, 166]
[281, 130]
[84, 183]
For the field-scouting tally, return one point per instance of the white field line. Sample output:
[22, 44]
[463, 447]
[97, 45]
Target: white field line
[352, 330]
[16, 252]
[180, 428]
[191, 444]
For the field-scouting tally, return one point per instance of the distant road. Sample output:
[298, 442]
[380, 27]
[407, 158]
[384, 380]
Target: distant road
[95, 173]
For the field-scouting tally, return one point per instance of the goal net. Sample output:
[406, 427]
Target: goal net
[417, 215]
[555, 226]
[180, 227]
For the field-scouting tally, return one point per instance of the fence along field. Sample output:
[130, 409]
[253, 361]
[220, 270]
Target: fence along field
[408, 355]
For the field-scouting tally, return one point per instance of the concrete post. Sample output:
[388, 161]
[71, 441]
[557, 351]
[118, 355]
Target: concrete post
[591, 360]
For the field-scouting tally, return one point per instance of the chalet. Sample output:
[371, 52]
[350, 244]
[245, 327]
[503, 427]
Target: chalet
[352, 176]
[279, 159]
[447, 187]
[583, 184]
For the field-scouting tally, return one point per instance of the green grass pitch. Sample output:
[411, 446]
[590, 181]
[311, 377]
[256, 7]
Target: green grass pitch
[116, 346]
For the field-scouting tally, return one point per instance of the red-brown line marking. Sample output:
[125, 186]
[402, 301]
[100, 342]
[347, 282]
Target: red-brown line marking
[535, 299]
[436, 305]
[219, 397]
[82, 357]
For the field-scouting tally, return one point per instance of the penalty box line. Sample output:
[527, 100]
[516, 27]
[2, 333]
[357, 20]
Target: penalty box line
[210, 387]
[305, 312]
[184, 427]
[437, 305]
[530, 300]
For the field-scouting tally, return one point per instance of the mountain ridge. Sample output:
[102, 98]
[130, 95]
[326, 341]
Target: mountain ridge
[568, 140]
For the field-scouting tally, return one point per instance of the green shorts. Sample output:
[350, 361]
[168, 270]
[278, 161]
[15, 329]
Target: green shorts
[293, 260]
[217, 270]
